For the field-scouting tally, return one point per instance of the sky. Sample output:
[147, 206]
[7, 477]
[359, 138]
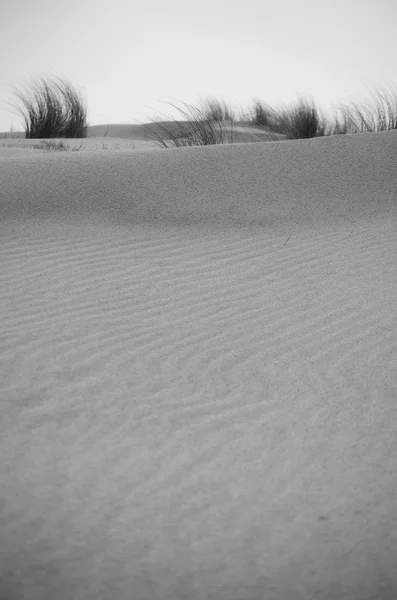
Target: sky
[130, 59]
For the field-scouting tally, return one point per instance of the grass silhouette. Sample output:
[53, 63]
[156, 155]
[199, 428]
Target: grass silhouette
[382, 116]
[202, 126]
[299, 121]
[214, 123]
[57, 111]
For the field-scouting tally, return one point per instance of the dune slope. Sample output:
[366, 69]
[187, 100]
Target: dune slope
[198, 384]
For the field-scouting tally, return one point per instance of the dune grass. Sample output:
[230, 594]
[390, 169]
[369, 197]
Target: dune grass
[214, 123]
[301, 120]
[380, 116]
[201, 126]
[55, 111]
[217, 110]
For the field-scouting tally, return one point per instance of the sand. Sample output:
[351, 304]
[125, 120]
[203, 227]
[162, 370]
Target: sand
[198, 372]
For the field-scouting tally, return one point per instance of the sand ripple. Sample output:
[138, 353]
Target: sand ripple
[199, 410]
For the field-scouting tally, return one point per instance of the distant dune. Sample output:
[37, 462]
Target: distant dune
[198, 371]
[239, 133]
[118, 131]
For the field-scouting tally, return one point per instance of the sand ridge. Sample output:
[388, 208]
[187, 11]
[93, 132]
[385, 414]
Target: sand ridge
[304, 183]
[198, 386]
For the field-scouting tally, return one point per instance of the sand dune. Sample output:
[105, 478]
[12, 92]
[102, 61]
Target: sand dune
[198, 372]
[116, 138]
[10, 147]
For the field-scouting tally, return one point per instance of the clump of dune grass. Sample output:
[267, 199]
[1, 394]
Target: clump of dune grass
[218, 111]
[261, 115]
[55, 110]
[202, 126]
[300, 121]
[381, 116]
[214, 122]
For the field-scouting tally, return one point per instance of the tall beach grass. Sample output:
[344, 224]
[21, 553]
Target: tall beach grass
[55, 110]
[209, 124]
[378, 116]
[215, 123]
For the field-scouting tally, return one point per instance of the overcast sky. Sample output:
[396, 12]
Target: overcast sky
[129, 58]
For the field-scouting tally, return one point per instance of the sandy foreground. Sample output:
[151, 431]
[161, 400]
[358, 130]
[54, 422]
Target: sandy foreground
[198, 377]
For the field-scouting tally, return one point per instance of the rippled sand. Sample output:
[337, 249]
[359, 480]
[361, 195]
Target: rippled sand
[198, 372]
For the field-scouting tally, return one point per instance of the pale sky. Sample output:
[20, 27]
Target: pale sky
[128, 58]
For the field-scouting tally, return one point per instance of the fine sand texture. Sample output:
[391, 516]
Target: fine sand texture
[198, 386]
